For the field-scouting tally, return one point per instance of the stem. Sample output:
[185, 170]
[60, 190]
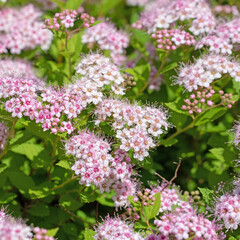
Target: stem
[191, 125]
[157, 75]
[69, 57]
[9, 136]
[146, 221]
[64, 183]
[75, 216]
[54, 145]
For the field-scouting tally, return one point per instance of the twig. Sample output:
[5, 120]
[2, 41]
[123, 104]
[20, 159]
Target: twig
[75, 216]
[173, 178]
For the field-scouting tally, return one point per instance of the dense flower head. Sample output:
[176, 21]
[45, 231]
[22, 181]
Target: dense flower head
[55, 108]
[180, 226]
[95, 165]
[66, 19]
[229, 31]
[227, 210]
[172, 200]
[97, 71]
[13, 229]
[172, 39]
[159, 16]
[205, 70]
[135, 126]
[115, 228]
[216, 44]
[107, 37]
[16, 66]
[3, 135]
[21, 29]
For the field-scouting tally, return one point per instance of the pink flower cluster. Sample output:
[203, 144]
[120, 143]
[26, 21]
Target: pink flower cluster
[21, 30]
[179, 220]
[201, 99]
[17, 66]
[56, 108]
[135, 126]
[227, 209]
[115, 228]
[229, 31]
[179, 226]
[216, 44]
[97, 71]
[3, 135]
[172, 39]
[158, 16]
[205, 70]
[66, 19]
[97, 166]
[107, 37]
[40, 234]
[11, 229]
[170, 198]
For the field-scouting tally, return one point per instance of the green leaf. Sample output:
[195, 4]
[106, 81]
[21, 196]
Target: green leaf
[21, 181]
[52, 232]
[70, 202]
[106, 6]
[106, 199]
[218, 153]
[73, 4]
[169, 67]
[64, 164]
[169, 143]
[3, 167]
[6, 197]
[39, 210]
[210, 115]
[176, 106]
[89, 234]
[30, 150]
[151, 211]
[136, 205]
[206, 193]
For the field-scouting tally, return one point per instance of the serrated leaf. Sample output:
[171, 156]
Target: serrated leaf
[6, 197]
[3, 167]
[169, 67]
[89, 234]
[30, 150]
[151, 211]
[206, 193]
[210, 115]
[21, 181]
[39, 210]
[52, 232]
[218, 153]
[64, 164]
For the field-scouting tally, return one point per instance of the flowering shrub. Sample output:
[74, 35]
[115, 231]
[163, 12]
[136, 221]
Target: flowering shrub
[119, 120]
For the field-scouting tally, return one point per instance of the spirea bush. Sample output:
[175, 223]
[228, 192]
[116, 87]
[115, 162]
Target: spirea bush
[119, 120]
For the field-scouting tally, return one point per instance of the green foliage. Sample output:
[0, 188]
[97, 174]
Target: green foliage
[151, 211]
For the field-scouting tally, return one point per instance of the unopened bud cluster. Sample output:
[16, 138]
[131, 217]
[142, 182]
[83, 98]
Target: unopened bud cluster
[201, 99]
[66, 20]
[172, 39]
